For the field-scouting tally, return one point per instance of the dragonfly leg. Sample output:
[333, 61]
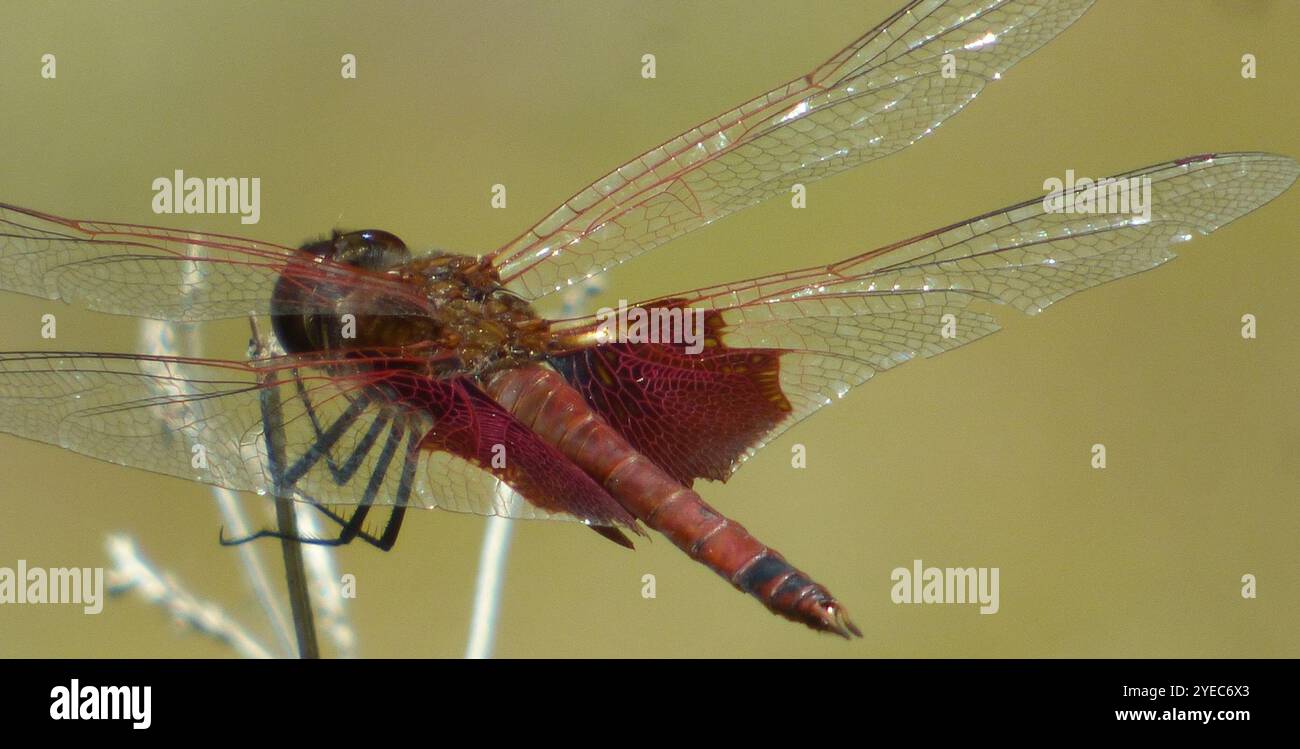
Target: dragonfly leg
[327, 438]
[351, 530]
[353, 524]
[271, 533]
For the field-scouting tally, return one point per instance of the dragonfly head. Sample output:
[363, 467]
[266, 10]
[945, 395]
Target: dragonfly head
[292, 318]
[373, 249]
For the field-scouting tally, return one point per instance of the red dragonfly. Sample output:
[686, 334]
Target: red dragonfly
[429, 381]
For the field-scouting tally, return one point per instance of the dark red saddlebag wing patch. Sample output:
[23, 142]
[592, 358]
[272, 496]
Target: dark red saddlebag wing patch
[468, 423]
[695, 415]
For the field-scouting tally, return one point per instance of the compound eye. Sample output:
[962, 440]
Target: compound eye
[381, 238]
[372, 248]
[323, 248]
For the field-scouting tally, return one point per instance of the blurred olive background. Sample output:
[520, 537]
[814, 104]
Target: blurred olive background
[977, 458]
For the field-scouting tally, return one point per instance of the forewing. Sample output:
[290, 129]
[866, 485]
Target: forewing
[834, 327]
[166, 274]
[351, 436]
[880, 94]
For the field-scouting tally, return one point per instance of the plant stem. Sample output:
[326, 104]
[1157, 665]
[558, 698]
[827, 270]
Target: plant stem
[488, 585]
[304, 624]
[295, 575]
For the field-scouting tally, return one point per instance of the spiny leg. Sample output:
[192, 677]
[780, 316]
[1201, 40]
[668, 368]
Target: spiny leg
[352, 526]
[327, 438]
[403, 499]
[325, 441]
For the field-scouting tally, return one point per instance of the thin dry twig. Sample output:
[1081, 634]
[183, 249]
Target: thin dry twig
[160, 339]
[498, 533]
[488, 584]
[318, 562]
[132, 572]
[327, 592]
[232, 515]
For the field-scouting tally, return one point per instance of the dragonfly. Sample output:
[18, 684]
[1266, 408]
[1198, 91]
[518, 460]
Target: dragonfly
[427, 380]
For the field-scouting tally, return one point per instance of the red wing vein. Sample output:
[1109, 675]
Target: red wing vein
[882, 93]
[173, 275]
[840, 324]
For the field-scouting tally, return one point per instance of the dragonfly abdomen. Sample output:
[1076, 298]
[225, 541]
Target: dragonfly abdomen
[544, 401]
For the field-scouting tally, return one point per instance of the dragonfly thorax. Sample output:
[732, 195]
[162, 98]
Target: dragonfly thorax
[473, 315]
[453, 306]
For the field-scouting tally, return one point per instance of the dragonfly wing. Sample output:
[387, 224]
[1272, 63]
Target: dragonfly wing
[474, 442]
[880, 94]
[807, 337]
[166, 274]
[351, 436]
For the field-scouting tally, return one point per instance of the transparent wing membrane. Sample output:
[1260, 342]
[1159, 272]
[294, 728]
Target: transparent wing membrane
[348, 439]
[880, 94]
[842, 323]
[165, 274]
